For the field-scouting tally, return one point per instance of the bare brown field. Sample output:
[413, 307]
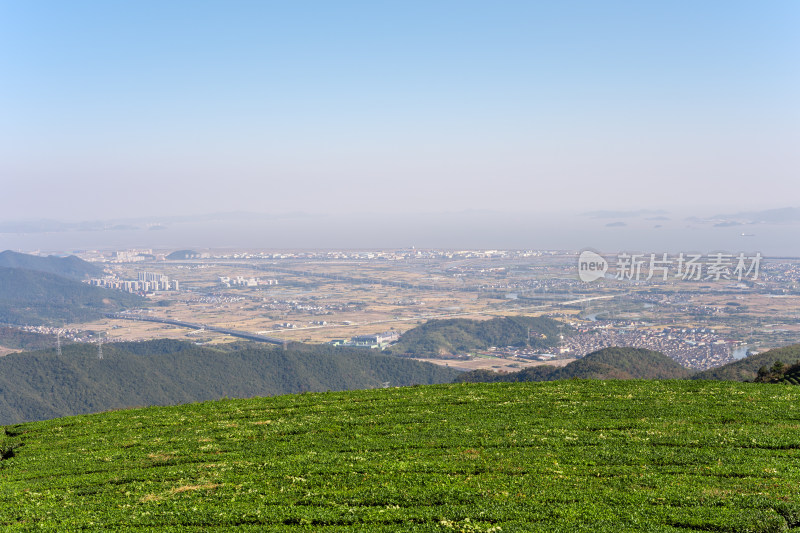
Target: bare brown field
[495, 364]
[348, 309]
[5, 351]
[357, 300]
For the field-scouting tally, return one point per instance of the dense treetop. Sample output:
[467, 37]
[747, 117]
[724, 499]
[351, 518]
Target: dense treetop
[460, 335]
[40, 385]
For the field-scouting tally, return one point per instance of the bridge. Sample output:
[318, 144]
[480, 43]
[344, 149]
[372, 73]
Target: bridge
[190, 325]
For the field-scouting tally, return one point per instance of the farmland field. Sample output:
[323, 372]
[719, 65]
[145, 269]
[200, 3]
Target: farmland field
[555, 456]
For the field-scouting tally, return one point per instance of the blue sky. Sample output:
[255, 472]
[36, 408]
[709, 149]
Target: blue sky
[143, 108]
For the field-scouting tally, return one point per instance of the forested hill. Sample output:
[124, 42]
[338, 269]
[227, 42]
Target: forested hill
[747, 369]
[33, 297]
[623, 363]
[41, 385]
[15, 338]
[69, 267]
[183, 254]
[459, 335]
[636, 363]
[608, 363]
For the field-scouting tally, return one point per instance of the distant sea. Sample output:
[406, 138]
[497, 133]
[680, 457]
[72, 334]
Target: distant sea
[462, 230]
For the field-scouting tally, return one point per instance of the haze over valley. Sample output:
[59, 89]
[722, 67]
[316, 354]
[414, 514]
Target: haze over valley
[412, 266]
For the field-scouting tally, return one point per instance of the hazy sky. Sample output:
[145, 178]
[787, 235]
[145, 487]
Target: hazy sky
[140, 108]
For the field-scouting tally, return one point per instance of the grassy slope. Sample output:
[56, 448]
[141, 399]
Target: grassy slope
[746, 369]
[557, 456]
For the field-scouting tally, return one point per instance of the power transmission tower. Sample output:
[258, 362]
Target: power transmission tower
[58, 343]
[100, 346]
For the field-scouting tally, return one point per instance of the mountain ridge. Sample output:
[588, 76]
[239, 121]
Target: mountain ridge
[71, 267]
[39, 385]
[746, 369]
[606, 363]
[32, 297]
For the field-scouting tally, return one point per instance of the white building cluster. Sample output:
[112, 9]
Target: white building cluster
[132, 256]
[147, 282]
[240, 281]
[377, 341]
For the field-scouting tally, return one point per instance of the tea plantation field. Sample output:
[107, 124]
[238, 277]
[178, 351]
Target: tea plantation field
[554, 456]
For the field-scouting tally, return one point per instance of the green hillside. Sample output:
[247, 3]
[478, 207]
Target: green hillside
[35, 298]
[18, 339]
[746, 369]
[69, 267]
[460, 335]
[594, 456]
[779, 373]
[623, 363]
[532, 373]
[608, 363]
[41, 385]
